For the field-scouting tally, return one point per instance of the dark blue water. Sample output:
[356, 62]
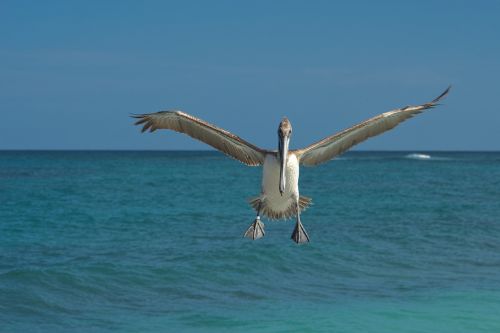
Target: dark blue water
[152, 242]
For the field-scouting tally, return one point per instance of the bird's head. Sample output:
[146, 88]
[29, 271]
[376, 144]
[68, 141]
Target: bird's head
[285, 128]
[284, 134]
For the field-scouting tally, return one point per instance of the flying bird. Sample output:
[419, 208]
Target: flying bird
[279, 197]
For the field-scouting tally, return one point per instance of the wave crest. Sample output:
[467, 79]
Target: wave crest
[416, 156]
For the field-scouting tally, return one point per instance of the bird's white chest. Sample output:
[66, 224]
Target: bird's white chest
[271, 177]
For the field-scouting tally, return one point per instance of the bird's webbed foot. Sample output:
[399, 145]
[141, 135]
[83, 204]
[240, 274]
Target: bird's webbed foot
[256, 230]
[299, 234]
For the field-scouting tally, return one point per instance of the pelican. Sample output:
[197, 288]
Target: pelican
[279, 197]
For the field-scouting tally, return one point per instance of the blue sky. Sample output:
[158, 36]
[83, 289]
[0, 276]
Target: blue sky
[72, 71]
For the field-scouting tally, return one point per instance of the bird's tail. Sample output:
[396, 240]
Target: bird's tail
[304, 203]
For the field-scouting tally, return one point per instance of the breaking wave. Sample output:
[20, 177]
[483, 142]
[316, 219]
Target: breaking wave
[426, 157]
[416, 156]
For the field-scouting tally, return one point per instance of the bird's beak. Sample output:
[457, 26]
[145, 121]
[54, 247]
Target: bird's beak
[283, 155]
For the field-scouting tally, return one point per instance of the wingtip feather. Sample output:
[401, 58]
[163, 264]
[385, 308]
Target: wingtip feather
[146, 127]
[443, 94]
[140, 121]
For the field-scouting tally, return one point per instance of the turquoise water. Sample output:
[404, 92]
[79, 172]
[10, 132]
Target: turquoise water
[152, 242]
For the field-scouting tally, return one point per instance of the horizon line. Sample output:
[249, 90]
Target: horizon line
[216, 151]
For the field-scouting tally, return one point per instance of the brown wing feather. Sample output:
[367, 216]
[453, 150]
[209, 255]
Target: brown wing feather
[334, 145]
[212, 135]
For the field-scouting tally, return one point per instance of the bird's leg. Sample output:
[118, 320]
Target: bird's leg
[299, 234]
[256, 229]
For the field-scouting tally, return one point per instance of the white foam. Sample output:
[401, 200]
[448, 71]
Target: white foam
[416, 156]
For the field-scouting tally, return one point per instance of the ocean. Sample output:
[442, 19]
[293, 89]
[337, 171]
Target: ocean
[118, 241]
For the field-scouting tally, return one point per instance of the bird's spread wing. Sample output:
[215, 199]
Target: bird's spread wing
[214, 136]
[334, 145]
